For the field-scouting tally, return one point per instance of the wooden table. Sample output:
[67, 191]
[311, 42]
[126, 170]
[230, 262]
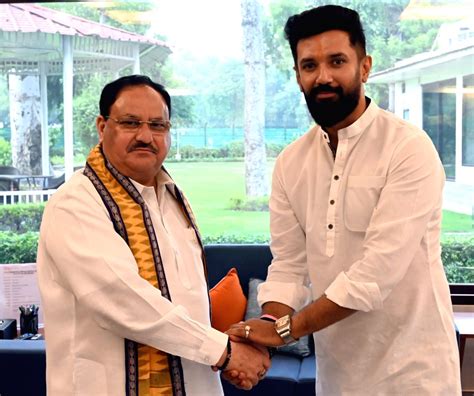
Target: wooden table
[465, 324]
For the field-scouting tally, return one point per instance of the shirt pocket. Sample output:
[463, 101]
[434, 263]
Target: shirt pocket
[89, 378]
[362, 196]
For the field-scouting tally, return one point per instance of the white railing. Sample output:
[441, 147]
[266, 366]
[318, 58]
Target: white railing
[30, 196]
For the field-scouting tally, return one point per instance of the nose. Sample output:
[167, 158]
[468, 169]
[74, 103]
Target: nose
[324, 75]
[144, 134]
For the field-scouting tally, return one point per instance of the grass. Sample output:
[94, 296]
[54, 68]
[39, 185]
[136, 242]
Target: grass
[210, 186]
[457, 222]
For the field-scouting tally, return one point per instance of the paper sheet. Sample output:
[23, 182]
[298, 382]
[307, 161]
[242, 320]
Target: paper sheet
[18, 286]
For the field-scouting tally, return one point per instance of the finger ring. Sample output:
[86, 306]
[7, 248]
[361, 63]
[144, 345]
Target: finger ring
[247, 331]
[262, 373]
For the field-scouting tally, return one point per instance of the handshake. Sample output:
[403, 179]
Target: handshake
[247, 357]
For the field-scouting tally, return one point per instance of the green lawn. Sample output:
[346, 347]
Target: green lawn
[211, 185]
[456, 222]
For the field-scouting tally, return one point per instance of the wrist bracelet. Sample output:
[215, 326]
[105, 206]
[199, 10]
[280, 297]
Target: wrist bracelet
[227, 358]
[268, 317]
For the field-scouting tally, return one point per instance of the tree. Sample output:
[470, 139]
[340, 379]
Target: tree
[256, 183]
[25, 123]
[389, 39]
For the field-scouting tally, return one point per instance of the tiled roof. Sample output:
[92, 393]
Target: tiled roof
[30, 18]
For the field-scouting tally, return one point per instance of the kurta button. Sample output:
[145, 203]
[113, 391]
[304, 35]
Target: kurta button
[330, 226]
[332, 201]
[336, 177]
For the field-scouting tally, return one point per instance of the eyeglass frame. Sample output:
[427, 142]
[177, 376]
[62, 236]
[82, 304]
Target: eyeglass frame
[120, 123]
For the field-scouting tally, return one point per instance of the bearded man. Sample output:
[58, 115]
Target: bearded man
[355, 215]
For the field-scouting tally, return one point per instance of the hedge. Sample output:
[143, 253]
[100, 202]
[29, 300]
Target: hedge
[231, 151]
[458, 260]
[21, 218]
[457, 256]
[18, 248]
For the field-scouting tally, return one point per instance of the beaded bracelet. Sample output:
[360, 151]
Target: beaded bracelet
[227, 358]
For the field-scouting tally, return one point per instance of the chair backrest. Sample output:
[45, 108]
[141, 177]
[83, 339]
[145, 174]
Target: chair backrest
[9, 170]
[7, 185]
[4, 185]
[54, 182]
[251, 261]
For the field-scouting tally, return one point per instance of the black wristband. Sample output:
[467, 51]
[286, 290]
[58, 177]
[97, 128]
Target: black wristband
[227, 358]
[271, 350]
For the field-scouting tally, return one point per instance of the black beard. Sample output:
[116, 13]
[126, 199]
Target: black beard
[329, 112]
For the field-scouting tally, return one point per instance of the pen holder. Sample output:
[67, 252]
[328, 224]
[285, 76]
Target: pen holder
[28, 319]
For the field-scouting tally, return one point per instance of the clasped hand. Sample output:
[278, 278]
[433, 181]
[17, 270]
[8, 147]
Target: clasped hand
[250, 358]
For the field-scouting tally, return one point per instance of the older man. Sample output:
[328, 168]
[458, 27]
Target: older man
[121, 271]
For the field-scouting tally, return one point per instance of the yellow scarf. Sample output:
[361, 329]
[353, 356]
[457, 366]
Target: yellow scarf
[149, 372]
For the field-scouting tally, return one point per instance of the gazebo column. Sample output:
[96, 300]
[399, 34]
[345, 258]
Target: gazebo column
[136, 59]
[67, 100]
[45, 166]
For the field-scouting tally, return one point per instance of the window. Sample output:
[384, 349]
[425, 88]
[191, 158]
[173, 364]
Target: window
[468, 121]
[204, 71]
[439, 121]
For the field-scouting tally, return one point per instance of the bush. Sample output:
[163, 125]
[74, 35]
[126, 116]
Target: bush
[232, 150]
[234, 239]
[21, 248]
[5, 152]
[18, 248]
[457, 256]
[273, 149]
[21, 218]
[235, 149]
[458, 260]
[249, 204]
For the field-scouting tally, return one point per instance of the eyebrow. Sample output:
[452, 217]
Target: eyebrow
[338, 55]
[330, 56]
[139, 118]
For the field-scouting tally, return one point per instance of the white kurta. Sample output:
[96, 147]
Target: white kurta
[364, 229]
[93, 297]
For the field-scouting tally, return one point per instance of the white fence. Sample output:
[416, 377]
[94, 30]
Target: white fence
[31, 196]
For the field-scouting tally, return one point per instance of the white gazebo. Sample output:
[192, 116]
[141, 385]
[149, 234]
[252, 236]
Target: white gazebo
[39, 41]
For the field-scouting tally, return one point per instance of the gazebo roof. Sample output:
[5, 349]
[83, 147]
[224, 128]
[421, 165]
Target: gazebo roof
[30, 34]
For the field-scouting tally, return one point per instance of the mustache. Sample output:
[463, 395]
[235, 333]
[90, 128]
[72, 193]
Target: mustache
[140, 145]
[325, 88]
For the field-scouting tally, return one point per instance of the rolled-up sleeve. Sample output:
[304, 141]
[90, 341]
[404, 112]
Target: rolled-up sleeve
[408, 203]
[287, 280]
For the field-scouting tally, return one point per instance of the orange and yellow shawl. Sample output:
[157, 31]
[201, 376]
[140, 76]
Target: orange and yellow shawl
[149, 372]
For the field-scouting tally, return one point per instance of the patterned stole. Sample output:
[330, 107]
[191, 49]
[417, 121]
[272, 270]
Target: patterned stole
[149, 372]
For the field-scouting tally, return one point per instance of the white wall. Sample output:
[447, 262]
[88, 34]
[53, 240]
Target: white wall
[412, 99]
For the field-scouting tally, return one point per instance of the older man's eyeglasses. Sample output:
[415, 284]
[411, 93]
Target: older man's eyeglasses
[133, 124]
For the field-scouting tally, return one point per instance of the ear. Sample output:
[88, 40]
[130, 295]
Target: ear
[366, 66]
[298, 79]
[100, 125]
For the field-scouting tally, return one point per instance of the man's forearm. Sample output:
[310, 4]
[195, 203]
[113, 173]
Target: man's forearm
[276, 309]
[316, 316]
